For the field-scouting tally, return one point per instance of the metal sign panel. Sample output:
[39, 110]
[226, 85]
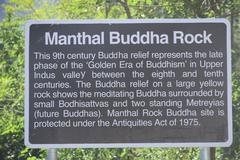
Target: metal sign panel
[128, 83]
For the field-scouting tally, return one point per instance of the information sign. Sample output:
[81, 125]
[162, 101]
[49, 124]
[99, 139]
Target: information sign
[128, 83]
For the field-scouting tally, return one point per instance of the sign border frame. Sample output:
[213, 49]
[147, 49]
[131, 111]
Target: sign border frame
[123, 145]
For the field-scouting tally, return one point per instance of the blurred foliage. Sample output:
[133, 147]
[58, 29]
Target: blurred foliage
[12, 68]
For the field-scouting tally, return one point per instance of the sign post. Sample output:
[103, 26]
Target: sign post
[128, 83]
[52, 154]
[205, 153]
